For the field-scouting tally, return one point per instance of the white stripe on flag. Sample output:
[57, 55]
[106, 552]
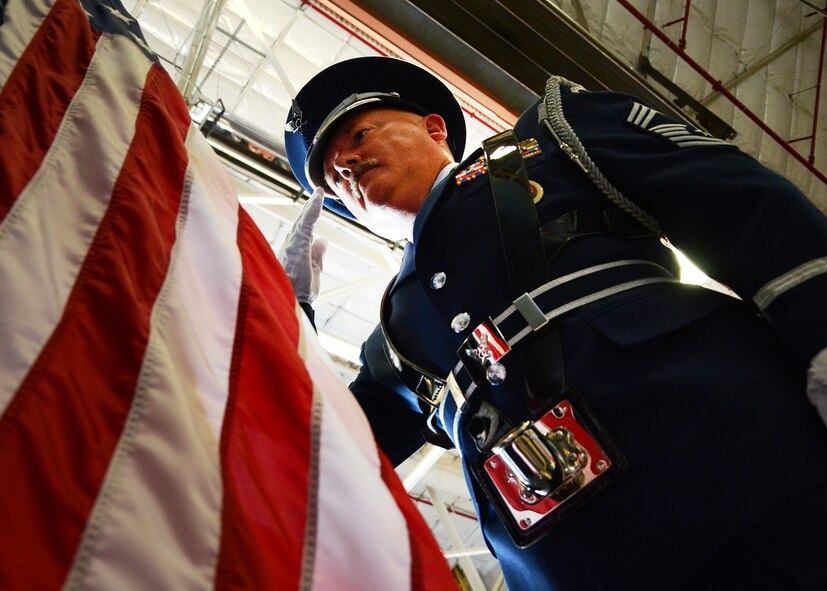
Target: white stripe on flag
[47, 233]
[21, 21]
[363, 538]
[211, 292]
[161, 501]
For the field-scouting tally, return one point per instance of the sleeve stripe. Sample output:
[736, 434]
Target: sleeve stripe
[641, 115]
[689, 141]
[680, 134]
[664, 127]
[648, 118]
[767, 294]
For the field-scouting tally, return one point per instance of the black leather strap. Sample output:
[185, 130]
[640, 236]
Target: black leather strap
[525, 257]
[516, 215]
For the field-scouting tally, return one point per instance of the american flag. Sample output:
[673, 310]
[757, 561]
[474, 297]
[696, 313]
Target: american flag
[167, 417]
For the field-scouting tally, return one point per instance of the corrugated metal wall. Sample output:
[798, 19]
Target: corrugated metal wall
[728, 38]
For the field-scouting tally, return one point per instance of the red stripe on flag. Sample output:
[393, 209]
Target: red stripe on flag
[59, 432]
[37, 93]
[265, 453]
[429, 571]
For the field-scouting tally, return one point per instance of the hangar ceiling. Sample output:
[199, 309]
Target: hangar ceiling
[746, 70]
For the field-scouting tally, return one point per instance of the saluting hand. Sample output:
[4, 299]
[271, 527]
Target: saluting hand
[301, 256]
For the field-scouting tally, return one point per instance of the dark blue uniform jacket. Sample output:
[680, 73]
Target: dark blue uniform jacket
[702, 392]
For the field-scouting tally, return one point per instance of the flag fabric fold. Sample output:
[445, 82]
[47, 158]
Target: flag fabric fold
[167, 417]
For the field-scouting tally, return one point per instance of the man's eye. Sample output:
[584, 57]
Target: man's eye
[359, 135]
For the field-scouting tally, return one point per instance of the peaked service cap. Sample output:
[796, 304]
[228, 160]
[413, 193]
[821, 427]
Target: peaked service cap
[337, 91]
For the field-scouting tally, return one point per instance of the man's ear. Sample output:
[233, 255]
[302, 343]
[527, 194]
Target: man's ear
[435, 126]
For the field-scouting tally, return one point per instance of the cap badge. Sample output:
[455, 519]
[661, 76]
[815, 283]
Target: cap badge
[295, 123]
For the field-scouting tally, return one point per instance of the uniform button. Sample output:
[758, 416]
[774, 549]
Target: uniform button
[495, 373]
[460, 322]
[438, 280]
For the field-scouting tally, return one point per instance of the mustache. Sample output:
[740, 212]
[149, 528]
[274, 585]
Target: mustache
[357, 172]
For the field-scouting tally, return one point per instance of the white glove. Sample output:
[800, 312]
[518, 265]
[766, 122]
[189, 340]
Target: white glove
[300, 255]
[817, 383]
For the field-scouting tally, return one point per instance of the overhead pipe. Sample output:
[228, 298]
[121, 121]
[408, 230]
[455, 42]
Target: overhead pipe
[451, 509]
[685, 24]
[818, 94]
[384, 53]
[814, 132]
[685, 20]
[718, 85]
[821, 11]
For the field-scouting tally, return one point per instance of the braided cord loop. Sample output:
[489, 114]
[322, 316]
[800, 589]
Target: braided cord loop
[550, 114]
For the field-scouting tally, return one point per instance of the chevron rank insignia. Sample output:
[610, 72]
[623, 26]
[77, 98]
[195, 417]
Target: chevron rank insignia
[680, 134]
[479, 167]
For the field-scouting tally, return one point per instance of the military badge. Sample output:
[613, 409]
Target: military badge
[536, 191]
[528, 149]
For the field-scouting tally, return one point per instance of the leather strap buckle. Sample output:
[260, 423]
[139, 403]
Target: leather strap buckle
[544, 468]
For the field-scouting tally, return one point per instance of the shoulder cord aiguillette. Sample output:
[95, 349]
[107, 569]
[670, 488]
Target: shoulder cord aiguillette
[550, 112]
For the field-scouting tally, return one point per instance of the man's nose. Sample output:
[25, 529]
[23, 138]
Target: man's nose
[344, 164]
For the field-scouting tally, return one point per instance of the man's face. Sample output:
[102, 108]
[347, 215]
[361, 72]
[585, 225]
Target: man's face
[381, 163]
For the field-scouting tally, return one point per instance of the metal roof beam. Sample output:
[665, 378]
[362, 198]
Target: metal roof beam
[820, 11]
[264, 61]
[581, 16]
[762, 63]
[468, 567]
[201, 38]
[527, 39]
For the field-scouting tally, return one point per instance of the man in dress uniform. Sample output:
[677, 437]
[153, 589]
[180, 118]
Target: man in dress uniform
[618, 429]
